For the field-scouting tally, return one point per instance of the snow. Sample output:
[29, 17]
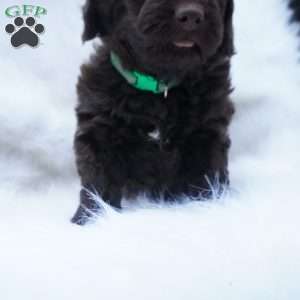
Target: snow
[245, 246]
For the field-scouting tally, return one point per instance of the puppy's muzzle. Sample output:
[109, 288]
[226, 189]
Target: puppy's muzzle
[189, 16]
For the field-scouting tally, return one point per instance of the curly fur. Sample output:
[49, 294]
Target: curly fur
[116, 155]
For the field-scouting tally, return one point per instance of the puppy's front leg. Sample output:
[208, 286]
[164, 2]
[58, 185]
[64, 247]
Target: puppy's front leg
[204, 144]
[100, 165]
[203, 170]
[205, 164]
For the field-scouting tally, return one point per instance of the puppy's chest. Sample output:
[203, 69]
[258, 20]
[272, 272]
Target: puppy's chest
[158, 120]
[155, 116]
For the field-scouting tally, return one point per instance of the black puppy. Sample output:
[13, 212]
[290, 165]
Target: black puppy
[154, 106]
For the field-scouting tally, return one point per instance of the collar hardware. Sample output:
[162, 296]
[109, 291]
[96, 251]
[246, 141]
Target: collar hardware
[146, 83]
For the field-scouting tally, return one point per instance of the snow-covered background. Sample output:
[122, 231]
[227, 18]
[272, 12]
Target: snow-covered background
[246, 246]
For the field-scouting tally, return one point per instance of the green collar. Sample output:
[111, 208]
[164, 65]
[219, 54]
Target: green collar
[142, 81]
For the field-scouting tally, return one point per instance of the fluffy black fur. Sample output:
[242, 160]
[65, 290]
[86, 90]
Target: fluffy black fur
[295, 6]
[116, 157]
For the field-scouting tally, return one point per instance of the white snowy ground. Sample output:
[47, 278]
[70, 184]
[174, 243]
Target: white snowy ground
[244, 247]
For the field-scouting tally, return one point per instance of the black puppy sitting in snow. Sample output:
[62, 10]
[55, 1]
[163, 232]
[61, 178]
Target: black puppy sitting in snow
[154, 105]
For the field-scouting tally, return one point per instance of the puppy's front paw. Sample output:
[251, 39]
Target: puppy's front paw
[88, 209]
[82, 216]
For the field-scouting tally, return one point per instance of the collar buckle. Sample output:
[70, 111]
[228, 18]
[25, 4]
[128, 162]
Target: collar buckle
[146, 82]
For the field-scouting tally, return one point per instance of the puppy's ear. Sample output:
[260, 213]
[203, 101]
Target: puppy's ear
[91, 20]
[227, 47]
[100, 17]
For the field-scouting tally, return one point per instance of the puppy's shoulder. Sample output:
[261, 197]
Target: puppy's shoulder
[93, 71]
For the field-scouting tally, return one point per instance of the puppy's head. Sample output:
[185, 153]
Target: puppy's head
[171, 31]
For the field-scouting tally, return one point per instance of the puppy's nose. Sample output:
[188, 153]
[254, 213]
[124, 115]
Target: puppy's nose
[189, 16]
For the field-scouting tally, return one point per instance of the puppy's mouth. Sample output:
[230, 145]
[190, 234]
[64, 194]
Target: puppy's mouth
[184, 44]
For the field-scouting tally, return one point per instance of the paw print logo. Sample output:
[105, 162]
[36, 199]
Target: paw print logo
[24, 32]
